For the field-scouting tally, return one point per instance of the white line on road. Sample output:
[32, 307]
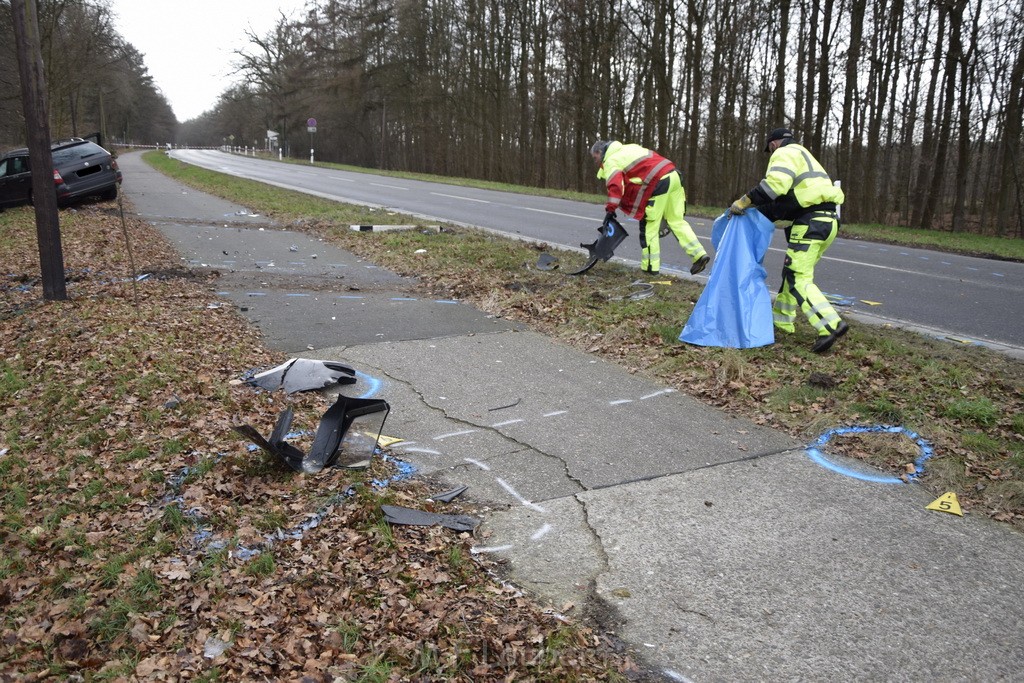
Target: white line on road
[512, 492]
[455, 196]
[393, 187]
[462, 433]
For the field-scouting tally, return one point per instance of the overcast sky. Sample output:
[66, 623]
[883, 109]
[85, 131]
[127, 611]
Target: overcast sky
[189, 44]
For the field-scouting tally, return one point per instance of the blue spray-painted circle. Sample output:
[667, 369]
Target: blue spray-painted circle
[924, 452]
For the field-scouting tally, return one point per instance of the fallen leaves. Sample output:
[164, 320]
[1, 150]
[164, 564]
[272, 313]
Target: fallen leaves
[131, 520]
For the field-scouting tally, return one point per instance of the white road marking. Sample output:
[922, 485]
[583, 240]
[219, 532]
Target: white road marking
[451, 434]
[541, 532]
[657, 393]
[557, 412]
[490, 549]
[506, 422]
[484, 466]
[515, 494]
[455, 196]
[393, 187]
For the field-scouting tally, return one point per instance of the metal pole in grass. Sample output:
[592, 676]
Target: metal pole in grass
[128, 245]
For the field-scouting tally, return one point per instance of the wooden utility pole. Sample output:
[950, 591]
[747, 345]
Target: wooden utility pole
[37, 121]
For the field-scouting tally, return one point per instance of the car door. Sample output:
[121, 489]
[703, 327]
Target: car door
[15, 181]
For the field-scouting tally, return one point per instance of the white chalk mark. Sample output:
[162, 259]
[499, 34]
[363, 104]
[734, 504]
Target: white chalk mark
[676, 676]
[557, 412]
[507, 422]
[657, 393]
[621, 400]
[419, 449]
[481, 465]
[541, 532]
[515, 494]
[451, 434]
[489, 549]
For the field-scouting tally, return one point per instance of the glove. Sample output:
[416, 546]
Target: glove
[609, 216]
[740, 206]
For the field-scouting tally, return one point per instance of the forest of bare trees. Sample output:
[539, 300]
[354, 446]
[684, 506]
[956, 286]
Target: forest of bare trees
[97, 81]
[916, 105]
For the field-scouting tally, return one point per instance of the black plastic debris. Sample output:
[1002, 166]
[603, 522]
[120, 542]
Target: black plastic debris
[547, 262]
[350, 427]
[449, 496]
[510, 405]
[399, 515]
[304, 374]
[276, 445]
[602, 249]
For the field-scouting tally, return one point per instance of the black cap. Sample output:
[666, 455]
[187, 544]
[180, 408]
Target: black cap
[777, 134]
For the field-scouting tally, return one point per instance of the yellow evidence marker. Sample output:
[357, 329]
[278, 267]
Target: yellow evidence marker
[947, 502]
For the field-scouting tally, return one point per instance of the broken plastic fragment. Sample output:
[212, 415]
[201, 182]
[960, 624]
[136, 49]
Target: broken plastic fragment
[449, 496]
[547, 262]
[351, 425]
[612, 234]
[276, 445]
[400, 515]
[214, 647]
[304, 374]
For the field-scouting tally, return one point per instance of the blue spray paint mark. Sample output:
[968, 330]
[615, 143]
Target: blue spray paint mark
[375, 385]
[402, 298]
[444, 301]
[405, 470]
[925, 451]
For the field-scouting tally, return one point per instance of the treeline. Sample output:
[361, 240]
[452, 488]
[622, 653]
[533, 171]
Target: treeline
[96, 80]
[916, 105]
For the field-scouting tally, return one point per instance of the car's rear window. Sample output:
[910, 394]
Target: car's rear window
[76, 153]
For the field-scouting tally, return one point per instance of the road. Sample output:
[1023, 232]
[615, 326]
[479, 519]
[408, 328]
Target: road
[968, 299]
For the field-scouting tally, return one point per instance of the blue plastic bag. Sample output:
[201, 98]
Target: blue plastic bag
[735, 308]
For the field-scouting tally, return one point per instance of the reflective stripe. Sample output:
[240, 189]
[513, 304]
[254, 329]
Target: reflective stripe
[785, 307]
[767, 189]
[783, 318]
[809, 174]
[645, 157]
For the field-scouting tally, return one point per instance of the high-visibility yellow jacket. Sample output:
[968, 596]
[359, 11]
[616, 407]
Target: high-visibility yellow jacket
[631, 173]
[796, 183]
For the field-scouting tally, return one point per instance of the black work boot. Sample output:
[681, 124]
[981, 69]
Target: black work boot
[700, 264]
[825, 342]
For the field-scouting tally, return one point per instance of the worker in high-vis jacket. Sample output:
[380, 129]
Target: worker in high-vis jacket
[796, 188]
[646, 186]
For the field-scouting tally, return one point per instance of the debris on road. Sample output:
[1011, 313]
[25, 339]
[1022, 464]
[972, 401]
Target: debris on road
[546, 262]
[394, 514]
[449, 496]
[612, 234]
[304, 374]
[350, 426]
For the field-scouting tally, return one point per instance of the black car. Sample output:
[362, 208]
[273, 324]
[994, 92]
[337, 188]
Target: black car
[81, 169]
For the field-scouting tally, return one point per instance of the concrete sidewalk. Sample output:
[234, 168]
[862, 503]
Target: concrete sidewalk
[716, 547]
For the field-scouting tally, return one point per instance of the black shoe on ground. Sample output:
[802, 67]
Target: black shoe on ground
[825, 343]
[700, 264]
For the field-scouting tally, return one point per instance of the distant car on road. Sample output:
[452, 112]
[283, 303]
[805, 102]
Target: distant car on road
[81, 169]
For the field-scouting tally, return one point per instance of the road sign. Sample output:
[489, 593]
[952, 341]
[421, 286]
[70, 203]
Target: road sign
[311, 123]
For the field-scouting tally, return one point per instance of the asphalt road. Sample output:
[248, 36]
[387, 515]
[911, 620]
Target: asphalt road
[945, 295]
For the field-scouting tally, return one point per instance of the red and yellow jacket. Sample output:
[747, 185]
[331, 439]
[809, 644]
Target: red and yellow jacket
[631, 173]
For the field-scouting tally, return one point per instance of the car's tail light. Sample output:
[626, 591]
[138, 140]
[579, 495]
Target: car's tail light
[113, 164]
[57, 180]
